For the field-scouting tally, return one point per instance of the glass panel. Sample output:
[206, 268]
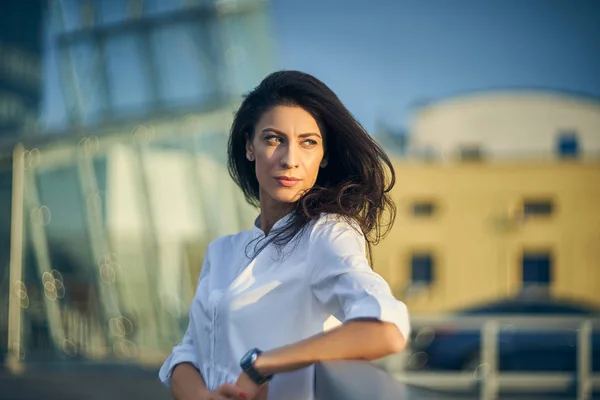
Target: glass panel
[58, 272]
[185, 78]
[161, 6]
[127, 74]
[131, 264]
[111, 11]
[54, 110]
[171, 187]
[248, 51]
[36, 342]
[88, 80]
[101, 174]
[60, 192]
[71, 11]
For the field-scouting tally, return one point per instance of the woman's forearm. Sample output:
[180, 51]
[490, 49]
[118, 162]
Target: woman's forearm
[366, 340]
[187, 382]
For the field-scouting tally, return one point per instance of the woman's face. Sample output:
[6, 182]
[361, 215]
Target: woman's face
[288, 151]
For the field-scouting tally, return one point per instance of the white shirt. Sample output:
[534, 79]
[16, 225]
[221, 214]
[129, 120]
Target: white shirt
[278, 298]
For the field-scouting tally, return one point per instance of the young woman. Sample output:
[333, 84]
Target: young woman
[263, 296]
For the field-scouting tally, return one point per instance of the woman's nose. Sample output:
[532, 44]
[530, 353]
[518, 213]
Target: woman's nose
[290, 158]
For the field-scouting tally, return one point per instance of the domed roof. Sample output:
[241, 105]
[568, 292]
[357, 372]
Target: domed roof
[524, 121]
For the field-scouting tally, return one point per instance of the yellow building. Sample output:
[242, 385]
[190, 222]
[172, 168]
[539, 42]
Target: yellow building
[471, 232]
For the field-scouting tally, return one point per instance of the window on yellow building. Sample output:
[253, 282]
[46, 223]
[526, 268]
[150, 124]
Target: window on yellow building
[423, 209]
[422, 269]
[538, 208]
[567, 144]
[536, 268]
[470, 152]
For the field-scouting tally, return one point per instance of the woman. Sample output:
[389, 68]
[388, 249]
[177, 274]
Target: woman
[263, 296]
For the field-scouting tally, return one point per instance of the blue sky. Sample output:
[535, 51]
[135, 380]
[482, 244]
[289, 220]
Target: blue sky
[382, 56]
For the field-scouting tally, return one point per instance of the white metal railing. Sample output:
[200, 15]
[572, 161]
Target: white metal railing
[493, 380]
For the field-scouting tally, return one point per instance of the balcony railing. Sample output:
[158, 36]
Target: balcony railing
[492, 381]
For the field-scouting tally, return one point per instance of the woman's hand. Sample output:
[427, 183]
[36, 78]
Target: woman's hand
[227, 391]
[253, 390]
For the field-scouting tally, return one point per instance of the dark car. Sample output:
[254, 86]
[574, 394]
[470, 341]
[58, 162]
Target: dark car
[450, 348]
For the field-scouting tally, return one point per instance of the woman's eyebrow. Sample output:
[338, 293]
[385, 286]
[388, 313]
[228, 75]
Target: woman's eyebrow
[309, 134]
[274, 131]
[301, 135]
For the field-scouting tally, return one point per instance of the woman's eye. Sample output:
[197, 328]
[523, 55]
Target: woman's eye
[273, 140]
[310, 142]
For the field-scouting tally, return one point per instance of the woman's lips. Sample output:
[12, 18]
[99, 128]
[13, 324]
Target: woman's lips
[287, 181]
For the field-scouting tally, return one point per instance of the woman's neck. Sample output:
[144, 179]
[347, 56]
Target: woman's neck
[271, 212]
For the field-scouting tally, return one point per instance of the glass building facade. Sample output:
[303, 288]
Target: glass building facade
[113, 204]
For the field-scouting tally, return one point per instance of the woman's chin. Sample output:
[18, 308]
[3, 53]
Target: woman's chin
[286, 196]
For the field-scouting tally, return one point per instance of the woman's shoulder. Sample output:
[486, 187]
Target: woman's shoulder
[231, 241]
[334, 237]
[330, 225]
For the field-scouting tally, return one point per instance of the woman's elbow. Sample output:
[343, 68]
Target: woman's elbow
[394, 340]
[383, 339]
[398, 344]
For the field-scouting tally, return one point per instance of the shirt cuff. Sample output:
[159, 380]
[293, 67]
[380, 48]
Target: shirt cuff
[384, 310]
[172, 361]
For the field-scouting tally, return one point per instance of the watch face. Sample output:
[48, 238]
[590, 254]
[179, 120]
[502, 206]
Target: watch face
[247, 364]
[249, 358]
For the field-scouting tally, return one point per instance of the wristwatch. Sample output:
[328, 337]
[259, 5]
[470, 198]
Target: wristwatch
[247, 364]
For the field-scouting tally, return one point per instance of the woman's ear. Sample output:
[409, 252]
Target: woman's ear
[324, 162]
[249, 149]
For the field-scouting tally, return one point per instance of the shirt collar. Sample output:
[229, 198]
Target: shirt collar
[279, 224]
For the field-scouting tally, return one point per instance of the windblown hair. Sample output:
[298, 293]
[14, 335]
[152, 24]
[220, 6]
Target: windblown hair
[358, 177]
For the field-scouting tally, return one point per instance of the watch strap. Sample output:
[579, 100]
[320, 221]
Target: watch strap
[247, 365]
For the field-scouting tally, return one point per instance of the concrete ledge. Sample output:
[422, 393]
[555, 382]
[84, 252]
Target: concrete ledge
[355, 380]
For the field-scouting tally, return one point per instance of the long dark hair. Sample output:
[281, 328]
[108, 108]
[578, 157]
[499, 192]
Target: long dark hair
[358, 177]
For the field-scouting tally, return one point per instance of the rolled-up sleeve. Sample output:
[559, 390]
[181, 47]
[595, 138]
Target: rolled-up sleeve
[344, 283]
[182, 353]
[186, 351]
